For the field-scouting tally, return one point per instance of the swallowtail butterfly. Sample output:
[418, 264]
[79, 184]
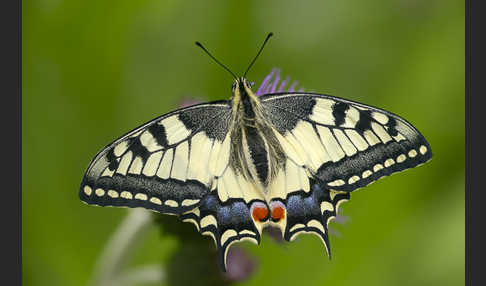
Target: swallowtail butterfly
[235, 166]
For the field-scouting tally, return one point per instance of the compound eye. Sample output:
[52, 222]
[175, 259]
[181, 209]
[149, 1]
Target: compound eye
[233, 86]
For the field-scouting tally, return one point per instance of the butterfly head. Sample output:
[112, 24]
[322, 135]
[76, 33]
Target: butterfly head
[241, 84]
[243, 96]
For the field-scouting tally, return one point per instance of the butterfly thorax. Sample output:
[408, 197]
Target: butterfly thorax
[255, 151]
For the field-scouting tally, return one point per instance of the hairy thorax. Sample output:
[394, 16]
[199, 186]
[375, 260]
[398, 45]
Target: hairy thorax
[255, 151]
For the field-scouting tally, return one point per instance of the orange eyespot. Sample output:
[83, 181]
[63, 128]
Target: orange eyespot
[277, 211]
[259, 211]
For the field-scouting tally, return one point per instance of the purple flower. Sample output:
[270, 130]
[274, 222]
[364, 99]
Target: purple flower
[275, 233]
[188, 101]
[340, 219]
[270, 84]
[240, 265]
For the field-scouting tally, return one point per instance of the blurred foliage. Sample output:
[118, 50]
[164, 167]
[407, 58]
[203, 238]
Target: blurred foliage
[194, 262]
[93, 70]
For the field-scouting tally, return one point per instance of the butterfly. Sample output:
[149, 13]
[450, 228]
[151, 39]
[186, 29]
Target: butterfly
[233, 167]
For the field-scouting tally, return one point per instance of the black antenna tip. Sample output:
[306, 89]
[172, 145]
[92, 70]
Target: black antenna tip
[259, 51]
[211, 56]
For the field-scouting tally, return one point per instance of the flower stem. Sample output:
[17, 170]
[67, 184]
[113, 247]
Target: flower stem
[119, 249]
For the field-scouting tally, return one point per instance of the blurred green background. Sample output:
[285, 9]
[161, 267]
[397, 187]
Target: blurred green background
[93, 70]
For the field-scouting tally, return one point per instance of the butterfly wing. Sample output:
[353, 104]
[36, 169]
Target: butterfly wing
[226, 222]
[168, 164]
[311, 212]
[346, 145]
[333, 146]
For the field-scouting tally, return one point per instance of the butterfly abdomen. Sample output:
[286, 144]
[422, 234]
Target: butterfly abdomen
[256, 154]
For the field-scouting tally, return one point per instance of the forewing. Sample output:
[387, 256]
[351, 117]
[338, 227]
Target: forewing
[167, 164]
[346, 145]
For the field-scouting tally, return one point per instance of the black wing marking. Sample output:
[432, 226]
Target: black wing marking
[311, 212]
[163, 165]
[225, 214]
[226, 222]
[345, 144]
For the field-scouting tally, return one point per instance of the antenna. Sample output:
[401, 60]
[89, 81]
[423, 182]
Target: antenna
[259, 52]
[218, 62]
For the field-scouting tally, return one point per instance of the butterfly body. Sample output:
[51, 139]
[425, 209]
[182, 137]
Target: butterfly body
[234, 167]
[257, 154]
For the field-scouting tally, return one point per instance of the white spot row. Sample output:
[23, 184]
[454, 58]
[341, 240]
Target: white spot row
[138, 196]
[312, 223]
[388, 162]
[301, 228]
[211, 220]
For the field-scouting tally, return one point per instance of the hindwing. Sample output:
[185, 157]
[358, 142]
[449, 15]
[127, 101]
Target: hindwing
[307, 205]
[167, 164]
[311, 212]
[225, 214]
